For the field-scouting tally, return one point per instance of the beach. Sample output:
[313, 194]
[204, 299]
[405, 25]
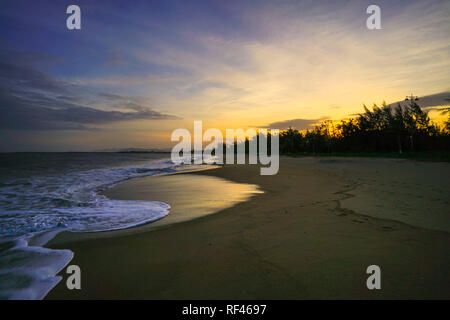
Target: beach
[311, 234]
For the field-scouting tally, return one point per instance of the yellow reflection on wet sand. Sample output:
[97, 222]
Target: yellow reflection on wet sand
[190, 196]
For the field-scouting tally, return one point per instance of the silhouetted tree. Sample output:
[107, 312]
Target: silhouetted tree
[385, 128]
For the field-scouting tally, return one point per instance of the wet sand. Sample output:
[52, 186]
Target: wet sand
[312, 233]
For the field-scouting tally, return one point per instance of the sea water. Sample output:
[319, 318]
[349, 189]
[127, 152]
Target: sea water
[42, 194]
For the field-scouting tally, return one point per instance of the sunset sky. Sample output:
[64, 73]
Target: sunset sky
[137, 70]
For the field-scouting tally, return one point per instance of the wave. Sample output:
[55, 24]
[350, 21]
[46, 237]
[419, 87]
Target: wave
[28, 271]
[36, 208]
[73, 201]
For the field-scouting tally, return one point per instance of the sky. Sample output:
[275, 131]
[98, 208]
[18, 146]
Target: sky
[137, 70]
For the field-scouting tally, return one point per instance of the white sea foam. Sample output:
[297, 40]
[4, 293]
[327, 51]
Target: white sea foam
[73, 201]
[35, 208]
[28, 271]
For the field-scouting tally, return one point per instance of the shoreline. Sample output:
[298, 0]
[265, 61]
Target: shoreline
[295, 241]
[117, 193]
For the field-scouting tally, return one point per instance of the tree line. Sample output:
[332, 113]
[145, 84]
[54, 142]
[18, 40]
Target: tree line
[383, 129]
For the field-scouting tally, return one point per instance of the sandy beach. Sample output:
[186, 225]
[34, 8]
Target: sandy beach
[311, 234]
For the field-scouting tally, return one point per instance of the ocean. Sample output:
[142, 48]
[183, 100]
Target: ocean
[42, 194]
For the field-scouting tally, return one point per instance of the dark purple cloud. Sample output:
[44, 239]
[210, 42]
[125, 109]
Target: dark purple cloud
[33, 100]
[300, 124]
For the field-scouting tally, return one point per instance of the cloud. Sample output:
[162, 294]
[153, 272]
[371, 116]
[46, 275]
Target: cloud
[33, 100]
[28, 58]
[430, 102]
[18, 77]
[310, 55]
[116, 59]
[21, 114]
[286, 58]
[300, 124]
